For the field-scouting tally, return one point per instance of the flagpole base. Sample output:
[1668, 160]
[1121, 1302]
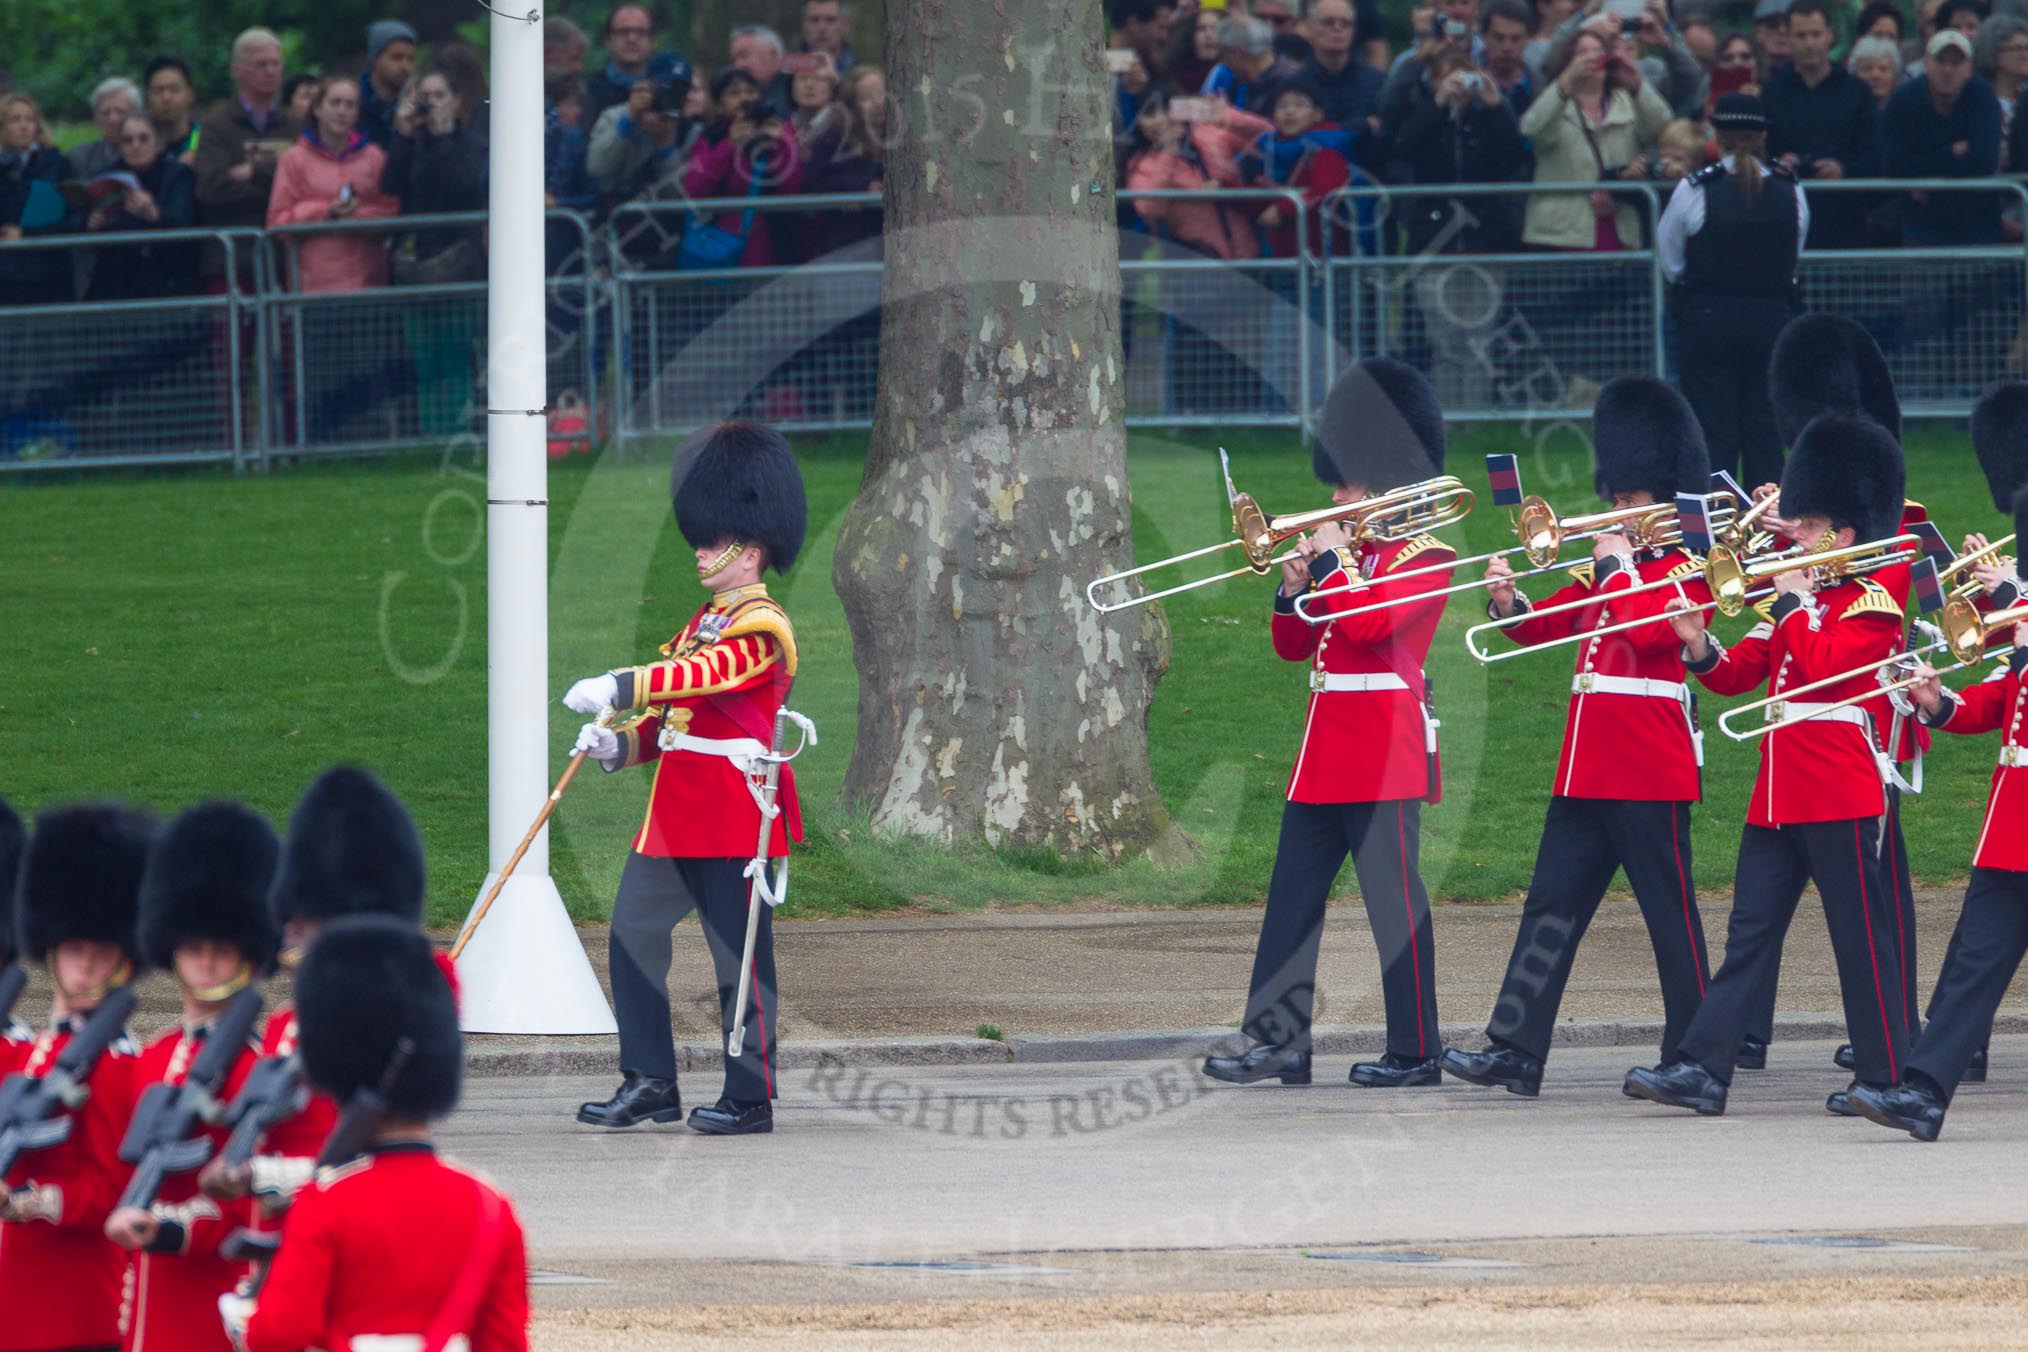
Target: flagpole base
[525, 970]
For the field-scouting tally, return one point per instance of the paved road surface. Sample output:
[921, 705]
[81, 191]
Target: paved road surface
[1128, 1181]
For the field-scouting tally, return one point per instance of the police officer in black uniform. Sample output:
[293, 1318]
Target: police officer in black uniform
[1729, 241]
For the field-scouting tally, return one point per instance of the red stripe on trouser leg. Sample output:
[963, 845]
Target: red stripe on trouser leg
[1414, 945]
[761, 1023]
[1900, 915]
[1683, 880]
[1872, 953]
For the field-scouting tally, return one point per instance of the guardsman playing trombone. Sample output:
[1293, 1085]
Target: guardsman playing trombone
[1992, 932]
[1818, 801]
[1631, 749]
[1368, 759]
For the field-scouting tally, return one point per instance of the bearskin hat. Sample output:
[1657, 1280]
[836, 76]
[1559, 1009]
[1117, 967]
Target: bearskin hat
[208, 878]
[740, 480]
[1829, 364]
[1644, 435]
[367, 983]
[1847, 468]
[352, 849]
[81, 878]
[2000, 438]
[1381, 426]
[13, 840]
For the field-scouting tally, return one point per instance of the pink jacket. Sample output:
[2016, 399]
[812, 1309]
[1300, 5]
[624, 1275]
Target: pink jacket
[1219, 231]
[306, 185]
[716, 169]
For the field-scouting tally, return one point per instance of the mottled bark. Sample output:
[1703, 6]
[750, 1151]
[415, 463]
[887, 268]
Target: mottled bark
[994, 703]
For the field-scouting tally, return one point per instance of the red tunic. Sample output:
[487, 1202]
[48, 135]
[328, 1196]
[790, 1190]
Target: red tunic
[1820, 770]
[1998, 704]
[379, 1246]
[298, 1138]
[1369, 745]
[727, 673]
[171, 1300]
[59, 1274]
[1618, 743]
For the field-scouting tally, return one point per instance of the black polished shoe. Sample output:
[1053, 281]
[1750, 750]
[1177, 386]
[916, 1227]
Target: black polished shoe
[734, 1117]
[1843, 1058]
[640, 1098]
[1975, 1073]
[1901, 1106]
[1397, 1072]
[1261, 1062]
[1497, 1067]
[1680, 1084]
[1840, 1104]
[1752, 1054]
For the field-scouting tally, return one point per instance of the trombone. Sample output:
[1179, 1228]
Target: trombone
[1729, 576]
[1965, 635]
[1542, 535]
[1398, 514]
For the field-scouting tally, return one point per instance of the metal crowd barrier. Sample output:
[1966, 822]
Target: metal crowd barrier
[258, 369]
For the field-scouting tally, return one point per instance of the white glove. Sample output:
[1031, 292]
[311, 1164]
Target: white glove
[602, 744]
[236, 1312]
[593, 694]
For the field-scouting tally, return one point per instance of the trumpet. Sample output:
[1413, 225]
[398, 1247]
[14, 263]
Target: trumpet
[1543, 534]
[1965, 635]
[1961, 566]
[1398, 514]
[1729, 576]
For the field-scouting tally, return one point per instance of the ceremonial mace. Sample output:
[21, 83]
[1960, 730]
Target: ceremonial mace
[604, 720]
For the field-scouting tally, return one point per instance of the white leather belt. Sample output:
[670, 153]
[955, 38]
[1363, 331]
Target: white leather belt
[735, 749]
[1821, 713]
[1338, 682]
[2013, 757]
[1590, 683]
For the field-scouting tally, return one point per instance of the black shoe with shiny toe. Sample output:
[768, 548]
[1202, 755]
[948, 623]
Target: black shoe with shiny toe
[1904, 1107]
[1397, 1072]
[734, 1117]
[1840, 1103]
[1497, 1067]
[1843, 1058]
[1680, 1084]
[640, 1098]
[1975, 1073]
[1752, 1054]
[1290, 1065]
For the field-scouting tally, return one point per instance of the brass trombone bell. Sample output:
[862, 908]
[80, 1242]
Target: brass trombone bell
[1413, 509]
[1967, 632]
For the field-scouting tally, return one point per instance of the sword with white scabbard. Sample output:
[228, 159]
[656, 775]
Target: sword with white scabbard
[761, 889]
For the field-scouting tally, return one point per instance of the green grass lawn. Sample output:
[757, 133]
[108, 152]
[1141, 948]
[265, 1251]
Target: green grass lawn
[179, 635]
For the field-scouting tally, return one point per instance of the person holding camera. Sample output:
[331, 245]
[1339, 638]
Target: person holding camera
[1447, 29]
[1642, 33]
[747, 151]
[640, 147]
[1590, 124]
[1730, 240]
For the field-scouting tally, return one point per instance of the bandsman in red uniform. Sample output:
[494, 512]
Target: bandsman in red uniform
[1368, 759]
[396, 1250]
[204, 919]
[1992, 932]
[2000, 438]
[1630, 767]
[1828, 364]
[1818, 801]
[352, 849]
[699, 717]
[59, 1274]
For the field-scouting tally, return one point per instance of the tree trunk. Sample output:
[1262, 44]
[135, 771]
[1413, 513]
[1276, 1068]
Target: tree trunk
[994, 702]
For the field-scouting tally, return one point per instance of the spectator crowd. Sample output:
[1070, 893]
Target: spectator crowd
[626, 119]
[1309, 95]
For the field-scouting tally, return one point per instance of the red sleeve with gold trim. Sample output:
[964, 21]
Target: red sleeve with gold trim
[1622, 608]
[1366, 617]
